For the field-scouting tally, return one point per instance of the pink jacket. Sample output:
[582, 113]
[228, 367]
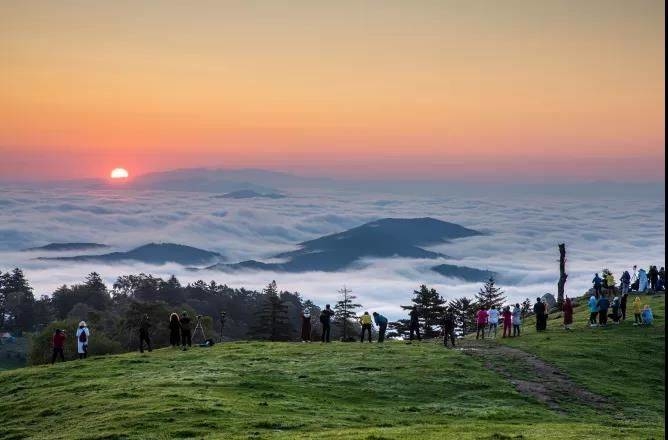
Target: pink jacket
[481, 316]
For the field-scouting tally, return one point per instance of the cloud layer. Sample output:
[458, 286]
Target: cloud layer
[521, 245]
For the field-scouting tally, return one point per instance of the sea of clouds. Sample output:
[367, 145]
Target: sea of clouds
[522, 233]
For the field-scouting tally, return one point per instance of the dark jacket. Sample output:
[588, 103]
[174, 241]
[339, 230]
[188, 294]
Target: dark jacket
[539, 308]
[449, 323]
[185, 323]
[603, 303]
[326, 315]
[414, 318]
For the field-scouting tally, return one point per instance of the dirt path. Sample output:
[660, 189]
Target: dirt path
[532, 376]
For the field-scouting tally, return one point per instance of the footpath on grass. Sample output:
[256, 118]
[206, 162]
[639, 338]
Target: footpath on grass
[531, 376]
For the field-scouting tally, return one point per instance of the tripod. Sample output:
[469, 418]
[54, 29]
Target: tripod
[198, 326]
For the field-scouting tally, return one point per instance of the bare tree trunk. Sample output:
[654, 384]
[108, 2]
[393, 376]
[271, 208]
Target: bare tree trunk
[562, 276]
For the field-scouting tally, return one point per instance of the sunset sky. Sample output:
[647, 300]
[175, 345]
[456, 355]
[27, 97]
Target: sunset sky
[493, 90]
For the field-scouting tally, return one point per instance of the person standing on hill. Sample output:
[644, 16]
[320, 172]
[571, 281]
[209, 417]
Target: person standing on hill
[603, 305]
[637, 310]
[625, 282]
[597, 281]
[481, 321]
[662, 279]
[568, 313]
[507, 316]
[653, 275]
[174, 330]
[593, 311]
[610, 283]
[144, 325]
[325, 320]
[642, 280]
[83, 336]
[493, 320]
[622, 304]
[306, 326]
[449, 328]
[365, 322]
[414, 324]
[381, 322]
[186, 336]
[540, 311]
[58, 345]
[634, 278]
[517, 319]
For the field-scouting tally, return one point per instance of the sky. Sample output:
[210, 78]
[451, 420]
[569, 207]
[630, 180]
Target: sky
[472, 90]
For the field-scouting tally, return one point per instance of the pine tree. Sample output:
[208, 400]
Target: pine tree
[431, 308]
[272, 320]
[18, 301]
[490, 295]
[464, 311]
[344, 311]
[525, 308]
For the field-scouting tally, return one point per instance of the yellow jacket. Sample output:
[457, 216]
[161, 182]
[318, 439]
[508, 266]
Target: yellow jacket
[610, 280]
[365, 319]
[637, 306]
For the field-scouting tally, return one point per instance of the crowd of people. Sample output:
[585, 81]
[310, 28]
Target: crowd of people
[489, 319]
[609, 302]
[604, 304]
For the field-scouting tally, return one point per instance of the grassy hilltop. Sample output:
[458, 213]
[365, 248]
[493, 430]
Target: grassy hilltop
[588, 383]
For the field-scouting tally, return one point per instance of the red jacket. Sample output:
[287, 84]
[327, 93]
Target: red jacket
[59, 340]
[481, 316]
[507, 317]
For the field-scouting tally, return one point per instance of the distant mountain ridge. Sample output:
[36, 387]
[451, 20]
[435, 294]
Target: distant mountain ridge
[62, 247]
[153, 253]
[249, 194]
[385, 238]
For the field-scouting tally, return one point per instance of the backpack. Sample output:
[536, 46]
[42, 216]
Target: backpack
[83, 336]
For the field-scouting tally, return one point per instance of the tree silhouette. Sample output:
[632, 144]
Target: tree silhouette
[272, 321]
[431, 308]
[344, 310]
[490, 295]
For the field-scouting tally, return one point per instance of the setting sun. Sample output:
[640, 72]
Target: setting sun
[119, 173]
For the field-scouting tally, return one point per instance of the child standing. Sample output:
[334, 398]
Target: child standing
[637, 310]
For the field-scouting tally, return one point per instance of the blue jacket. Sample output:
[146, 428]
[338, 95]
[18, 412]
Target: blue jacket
[380, 319]
[593, 305]
[603, 303]
[597, 281]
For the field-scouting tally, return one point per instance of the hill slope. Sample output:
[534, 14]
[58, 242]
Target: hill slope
[63, 247]
[385, 238]
[336, 391]
[152, 253]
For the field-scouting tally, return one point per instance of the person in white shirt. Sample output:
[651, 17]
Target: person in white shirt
[493, 320]
[83, 335]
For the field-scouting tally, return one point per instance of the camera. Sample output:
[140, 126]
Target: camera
[199, 316]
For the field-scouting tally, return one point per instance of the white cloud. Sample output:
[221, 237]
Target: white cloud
[521, 241]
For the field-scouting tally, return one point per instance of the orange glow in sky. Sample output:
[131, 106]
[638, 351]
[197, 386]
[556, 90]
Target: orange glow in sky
[429, 89]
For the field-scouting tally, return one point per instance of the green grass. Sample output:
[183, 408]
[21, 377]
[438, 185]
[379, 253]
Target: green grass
[255, 390]
[623, 362]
